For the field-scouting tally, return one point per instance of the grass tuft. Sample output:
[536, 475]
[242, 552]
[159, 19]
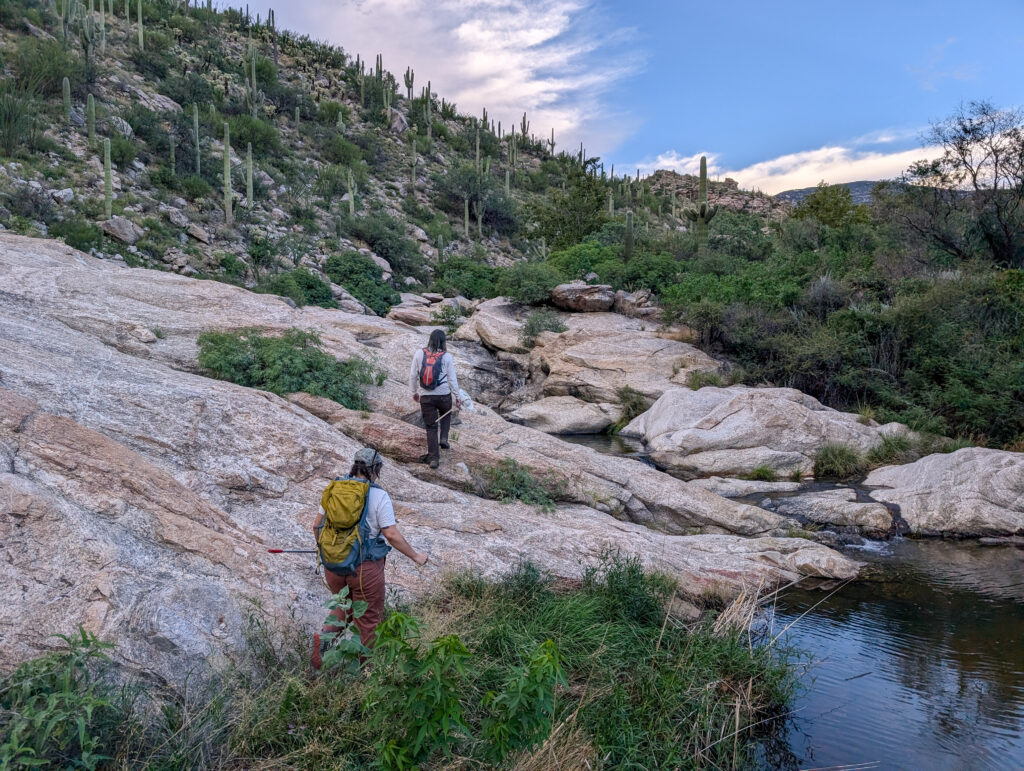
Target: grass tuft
[838, 461]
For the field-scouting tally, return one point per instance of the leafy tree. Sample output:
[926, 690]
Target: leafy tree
[568, 217]
[364, 279]
[831, 205]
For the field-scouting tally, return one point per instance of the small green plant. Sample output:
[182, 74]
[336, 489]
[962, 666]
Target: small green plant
[78, 234]
[866, 414]
[17, 119]
[158, 333]
[346, 650]
[122, 151]
[511, 481]
[56, 711]
[449, 317]
[195, 188]
[838, 461]
[301, 286]
[413, 695]
[796, 475]
[763, 474]
[697, 380]
[295, 361]
[540, 320]
[633, 405]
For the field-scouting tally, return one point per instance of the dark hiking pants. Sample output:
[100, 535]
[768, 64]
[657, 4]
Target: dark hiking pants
[432, 407]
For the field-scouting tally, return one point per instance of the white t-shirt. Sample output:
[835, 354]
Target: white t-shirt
[380, 513]
[449, 382]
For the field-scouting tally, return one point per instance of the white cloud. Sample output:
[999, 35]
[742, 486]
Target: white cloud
[554, 59]
[833, 164]
[930, 73]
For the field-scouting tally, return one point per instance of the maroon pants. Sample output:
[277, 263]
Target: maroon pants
[432, 407]
[366, 584]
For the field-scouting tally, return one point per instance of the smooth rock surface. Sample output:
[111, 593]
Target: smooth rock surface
[566, 415]
[731, 431]
[973, 491]
[583, 297]
[740, 488]
[839, 508]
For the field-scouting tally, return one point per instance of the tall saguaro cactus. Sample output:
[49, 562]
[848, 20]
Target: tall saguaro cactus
[108, 184]
[228, 219]
[90, 119]
[248, 176]
[66, 89]
[628, 250]
[351, 194]
[195, 133]
[410, 78]
[701, 214]
[142, 32]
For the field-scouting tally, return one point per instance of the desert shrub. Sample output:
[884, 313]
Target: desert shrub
[149, 62]
[633, 404]
[264, 137]
[295, 361]
[511, 481]
[189, 89]
[301, 286]
[339, 150]
[43, 65]
[122, 151]
[58, 710]
[332, 181]
[464, 276]
[78, 234]
[449, 316]
[541, 320]
[763, 474]
[697, 380]
[327, 113]
[32, 204]
[527, 282]
[838, 461]
[195, 187]
[184, 28]
[364, 279]
[17, 116]
[386, 237]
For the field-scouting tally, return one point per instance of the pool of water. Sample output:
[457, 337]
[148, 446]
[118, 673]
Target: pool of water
[609, 444]
[919, 665]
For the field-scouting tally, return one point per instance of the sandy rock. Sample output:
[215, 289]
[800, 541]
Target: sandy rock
[973, 491]
[566, 415]
[122, 229]
[583, 297]
[740, 488]
[198, 233]
[408, 298]
[415, 315]
[154, 101]
[635, 304]
[495, 323]
[433, 297]
[731, 431]
[139, 499]
[839, 508]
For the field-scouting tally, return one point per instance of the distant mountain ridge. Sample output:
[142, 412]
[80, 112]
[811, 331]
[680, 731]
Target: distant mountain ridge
[861, 192]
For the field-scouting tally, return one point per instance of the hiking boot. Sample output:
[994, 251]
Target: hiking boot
[444, 445]
[434, 463]
[320, 647]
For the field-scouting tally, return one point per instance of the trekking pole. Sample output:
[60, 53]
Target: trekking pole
[292, 551]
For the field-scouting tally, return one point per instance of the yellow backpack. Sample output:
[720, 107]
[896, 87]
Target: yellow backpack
[344, 532]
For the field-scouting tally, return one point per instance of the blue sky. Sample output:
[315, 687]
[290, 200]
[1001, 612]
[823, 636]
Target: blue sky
[778, 95]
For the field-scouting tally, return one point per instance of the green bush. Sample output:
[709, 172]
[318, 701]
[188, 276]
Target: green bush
[195, 188]
[697, 380]
[293, 362]
[894, 449]
[386, 237]
[541, 320]
[122, 151]
[763, 474]
[43, 64]
[327, 113]
[339, 150]
[301, 286]
[838, 461]
[78, 234]
[17, 117]
[363, 278]
[511, 481]
[264, 137]
[527, 282]
[449, 317]
[58, 711]
[460, 275]
[633, 404]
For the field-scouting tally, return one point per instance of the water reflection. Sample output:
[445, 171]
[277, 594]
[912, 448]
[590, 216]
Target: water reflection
[920, 668]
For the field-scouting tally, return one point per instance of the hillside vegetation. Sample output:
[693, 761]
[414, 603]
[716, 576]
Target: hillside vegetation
[346, 182]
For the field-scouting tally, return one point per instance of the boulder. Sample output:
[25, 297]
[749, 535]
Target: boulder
[415, 315]
[122, 229]
[154, 101]
[119, 126]
[583, 297]
[566, 415]
[65, 196]
[839, 508]
[138, 499]
[177, 218]
[496, 324]
[198, 233]
[741, 488]
[732, 431]
[408, 298]
[973, 491]
[635, 304]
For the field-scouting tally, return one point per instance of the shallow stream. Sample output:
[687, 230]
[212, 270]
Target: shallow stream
[919, 664]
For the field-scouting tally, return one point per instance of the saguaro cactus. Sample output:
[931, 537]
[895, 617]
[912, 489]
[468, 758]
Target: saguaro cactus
[108, 184]
[701, 214]
[413, 160]
[248, 176]
[228, 219]
[142, 31]
[611, 204]
[351, 194]
[90, 118]
[195, 133]
[628, 250]
[66, 87]
[410, 78]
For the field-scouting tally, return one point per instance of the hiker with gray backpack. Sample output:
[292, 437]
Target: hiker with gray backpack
[433, 373]
[354, 533]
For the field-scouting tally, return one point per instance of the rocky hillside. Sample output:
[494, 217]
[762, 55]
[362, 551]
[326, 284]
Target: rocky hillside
[859, 191]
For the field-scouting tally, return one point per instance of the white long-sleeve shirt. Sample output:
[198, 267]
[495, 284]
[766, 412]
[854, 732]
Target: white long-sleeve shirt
[449, 382]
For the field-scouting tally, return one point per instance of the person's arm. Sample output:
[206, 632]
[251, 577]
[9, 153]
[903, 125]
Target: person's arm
[453, 381]
[319, 521]
[396, 539]
[414, 375]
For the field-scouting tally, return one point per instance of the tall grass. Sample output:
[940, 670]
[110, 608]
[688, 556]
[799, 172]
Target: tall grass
[528, 673]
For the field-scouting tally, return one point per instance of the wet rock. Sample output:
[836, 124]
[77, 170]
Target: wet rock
[840, 508]
[740, 488]
[973, 491]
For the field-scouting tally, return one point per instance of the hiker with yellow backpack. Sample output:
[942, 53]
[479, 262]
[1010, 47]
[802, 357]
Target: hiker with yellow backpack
[354, 533]
[433, 372]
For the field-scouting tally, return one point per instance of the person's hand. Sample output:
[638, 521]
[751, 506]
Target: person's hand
[416, 397]
[421, 559]
[458, 404]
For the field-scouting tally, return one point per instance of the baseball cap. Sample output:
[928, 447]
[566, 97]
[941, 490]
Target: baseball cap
[369, 456]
